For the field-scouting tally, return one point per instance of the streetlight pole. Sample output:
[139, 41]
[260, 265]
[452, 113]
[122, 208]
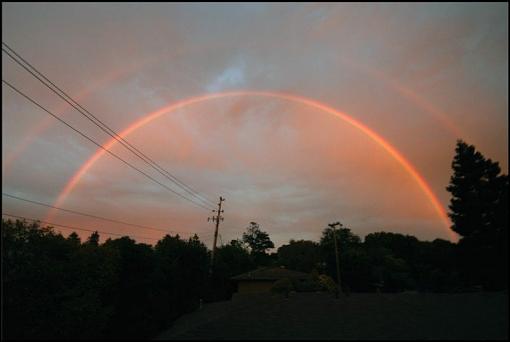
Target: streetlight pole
[333, 225]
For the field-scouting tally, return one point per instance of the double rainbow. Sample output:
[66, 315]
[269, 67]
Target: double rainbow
[145, 119]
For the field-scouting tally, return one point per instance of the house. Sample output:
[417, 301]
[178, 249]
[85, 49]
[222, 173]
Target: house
[262, 279]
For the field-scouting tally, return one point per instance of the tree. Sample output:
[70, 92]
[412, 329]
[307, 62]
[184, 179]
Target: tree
[59, 288]
[235, 258]
[435, 268]
[131, 293]
[74, 239]
[182, 271]
[93, 239]
[299, 255]
[347, 241]
[257, 239]
[401, 246]
[476, 189]
[232, 259]
[345, 238]
[479, 212]
[48, 281]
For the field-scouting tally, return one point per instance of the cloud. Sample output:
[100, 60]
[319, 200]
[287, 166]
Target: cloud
[232, 77]
[286, 166]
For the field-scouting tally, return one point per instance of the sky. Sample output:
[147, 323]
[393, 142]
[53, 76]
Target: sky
[409, 78]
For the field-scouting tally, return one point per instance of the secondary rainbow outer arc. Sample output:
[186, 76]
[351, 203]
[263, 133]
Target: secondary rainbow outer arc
[106, 80]
[285, 96]
[414, 98]
[407, 93]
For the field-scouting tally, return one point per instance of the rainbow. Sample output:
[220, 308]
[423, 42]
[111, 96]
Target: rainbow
[405, 92]
[65, 108]
[145, 119]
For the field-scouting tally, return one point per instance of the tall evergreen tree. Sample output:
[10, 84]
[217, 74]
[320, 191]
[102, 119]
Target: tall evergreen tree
[479, 214]
[93, 239]
[477, 188]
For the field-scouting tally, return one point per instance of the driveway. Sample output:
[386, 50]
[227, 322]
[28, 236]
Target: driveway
[359, 316]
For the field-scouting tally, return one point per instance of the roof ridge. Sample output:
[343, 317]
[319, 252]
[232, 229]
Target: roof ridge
[270, 273]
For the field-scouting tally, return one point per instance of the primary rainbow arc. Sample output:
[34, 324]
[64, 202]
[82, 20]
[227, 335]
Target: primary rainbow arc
[145, 119]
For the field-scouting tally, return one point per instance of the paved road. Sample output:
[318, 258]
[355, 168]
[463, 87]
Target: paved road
[359, 316]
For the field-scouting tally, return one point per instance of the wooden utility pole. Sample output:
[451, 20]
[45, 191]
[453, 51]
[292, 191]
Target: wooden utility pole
[333, 225]
[216, 219]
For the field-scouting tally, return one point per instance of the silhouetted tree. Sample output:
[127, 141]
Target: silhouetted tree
[435, 268]
[345, 238]
[257, 239]
[347, 241]
[401, 246]
[58, 288]
[74, 239]
[300, 255]
[182, 271]
[93, 239]
[231, 259]
[475, 192]
[48, 281]
[130, 295]
[235, 258]
[258, 242]
[479, 212]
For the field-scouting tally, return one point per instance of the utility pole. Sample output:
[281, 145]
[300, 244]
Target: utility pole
[216, 219]
[333, 225]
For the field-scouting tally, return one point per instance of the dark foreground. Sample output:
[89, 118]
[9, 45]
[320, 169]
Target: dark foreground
[359, 316]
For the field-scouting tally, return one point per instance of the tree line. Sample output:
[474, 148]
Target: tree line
[61, 287]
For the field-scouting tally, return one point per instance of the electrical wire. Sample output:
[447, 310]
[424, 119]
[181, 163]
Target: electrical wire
[73, 103]
[99, 145]
[77, 228]
[90, 215]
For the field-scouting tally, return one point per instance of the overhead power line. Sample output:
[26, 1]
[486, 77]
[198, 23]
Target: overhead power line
[95, 216]
[105, 128]
[99, 145]
[77, 228]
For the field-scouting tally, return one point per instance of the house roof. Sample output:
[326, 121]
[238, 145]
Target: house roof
[271, 273]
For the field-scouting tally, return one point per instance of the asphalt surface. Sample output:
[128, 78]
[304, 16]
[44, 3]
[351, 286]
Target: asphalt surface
[358, 316]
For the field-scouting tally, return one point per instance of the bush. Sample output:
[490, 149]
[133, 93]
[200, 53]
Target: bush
[307, 285]
[282, 286]
[327, 283]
